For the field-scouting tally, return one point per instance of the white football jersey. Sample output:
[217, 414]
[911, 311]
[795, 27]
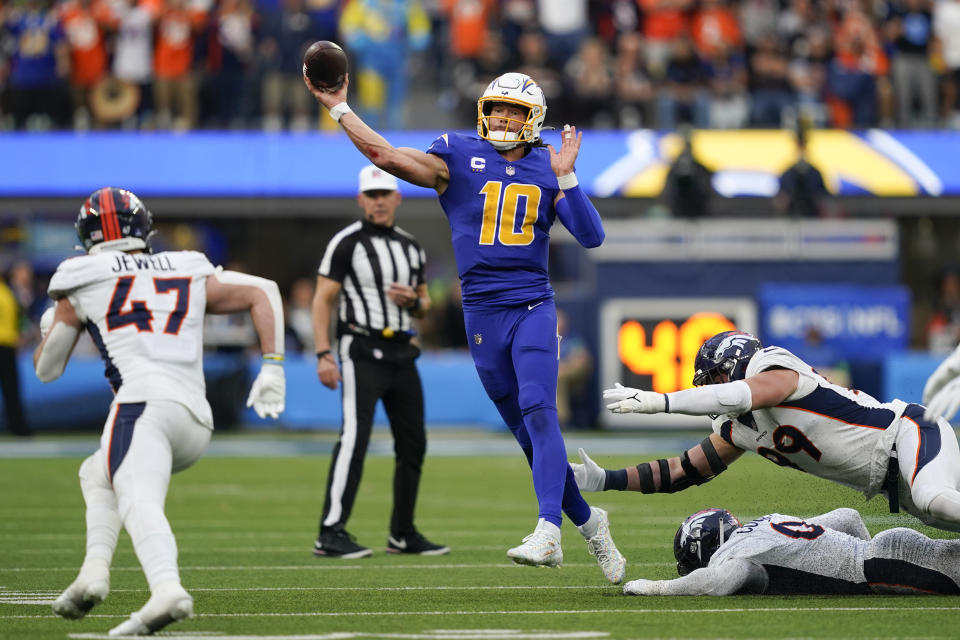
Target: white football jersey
[145, 314]
[796, 554]
[829, 431]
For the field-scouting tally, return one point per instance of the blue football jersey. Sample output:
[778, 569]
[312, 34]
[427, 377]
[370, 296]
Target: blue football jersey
[500, 214]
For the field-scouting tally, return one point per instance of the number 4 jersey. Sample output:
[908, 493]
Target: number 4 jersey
[144, 313]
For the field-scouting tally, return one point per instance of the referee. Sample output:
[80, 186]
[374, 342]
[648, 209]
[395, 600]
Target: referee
[378, 268]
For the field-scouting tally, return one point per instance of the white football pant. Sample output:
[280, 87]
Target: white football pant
[164, 438]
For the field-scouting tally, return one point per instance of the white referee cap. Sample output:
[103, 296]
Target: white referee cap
[373, 178]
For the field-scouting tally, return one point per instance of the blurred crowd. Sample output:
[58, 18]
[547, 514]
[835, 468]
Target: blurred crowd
[235, 64]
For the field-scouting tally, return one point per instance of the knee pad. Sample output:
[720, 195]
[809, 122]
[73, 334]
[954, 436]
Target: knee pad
[535, 396]
[93, 474]
[945, 507]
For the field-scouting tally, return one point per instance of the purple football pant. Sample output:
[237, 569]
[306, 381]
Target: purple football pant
[515, 352]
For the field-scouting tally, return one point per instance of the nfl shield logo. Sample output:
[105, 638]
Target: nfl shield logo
[510, 170]
[477, 338]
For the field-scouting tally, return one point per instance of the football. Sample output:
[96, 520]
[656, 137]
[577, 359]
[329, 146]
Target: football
[325, 64]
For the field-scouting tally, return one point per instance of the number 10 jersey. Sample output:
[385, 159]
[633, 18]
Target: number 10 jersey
[144, 312]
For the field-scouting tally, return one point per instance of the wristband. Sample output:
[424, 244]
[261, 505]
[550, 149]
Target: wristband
[568, 181]
[324, 353]
[273, 358]
[337, 110]
[615, 480]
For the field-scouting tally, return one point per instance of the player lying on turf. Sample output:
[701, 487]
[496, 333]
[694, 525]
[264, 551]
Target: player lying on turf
[769, 401]
[828, 554]
[145, 312]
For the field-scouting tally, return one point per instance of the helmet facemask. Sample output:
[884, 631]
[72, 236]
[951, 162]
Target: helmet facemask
[518, 90]
[699, 537]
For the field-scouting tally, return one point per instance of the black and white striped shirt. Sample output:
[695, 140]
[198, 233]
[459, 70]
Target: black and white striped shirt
[365, 259]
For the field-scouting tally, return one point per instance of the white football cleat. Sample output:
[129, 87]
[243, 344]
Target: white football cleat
[80, 597]
[169, 603]
[611, 561]
[89, 589]
[540, 549]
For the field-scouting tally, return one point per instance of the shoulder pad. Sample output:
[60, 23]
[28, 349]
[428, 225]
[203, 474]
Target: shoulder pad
[775, 357]
[79, 271]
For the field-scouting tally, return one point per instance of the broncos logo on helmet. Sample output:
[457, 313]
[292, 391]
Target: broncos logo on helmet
[115, 220]
[516, 89]
[727, 352]
[699, 537]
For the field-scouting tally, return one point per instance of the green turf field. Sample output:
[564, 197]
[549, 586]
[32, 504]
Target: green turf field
[245, 528]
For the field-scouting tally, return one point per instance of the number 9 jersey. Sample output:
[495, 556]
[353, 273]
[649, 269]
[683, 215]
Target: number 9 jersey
[500, 214]
[144, 312]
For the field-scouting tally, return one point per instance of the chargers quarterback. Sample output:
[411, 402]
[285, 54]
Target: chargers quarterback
[826, 554]
[767, 400]
[501, 191]
[144, 311]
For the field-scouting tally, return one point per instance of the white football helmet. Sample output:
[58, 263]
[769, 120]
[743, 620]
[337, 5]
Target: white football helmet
[518, 89]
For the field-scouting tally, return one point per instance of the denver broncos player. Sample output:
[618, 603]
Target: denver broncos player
[144, 311]
[769, 401]
[826, 554]
[502, 190]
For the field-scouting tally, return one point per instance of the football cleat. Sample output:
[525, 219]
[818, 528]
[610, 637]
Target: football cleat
[539, 549]
[337, 543]
[415, 544]
[601, 546]
[82, 596]
[169, 603]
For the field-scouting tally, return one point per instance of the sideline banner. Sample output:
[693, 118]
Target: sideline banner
[611, 163]
[835, 321]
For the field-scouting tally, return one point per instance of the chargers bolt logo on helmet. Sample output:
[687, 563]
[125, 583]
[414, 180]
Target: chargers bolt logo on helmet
[699, 537]
[515, 89]
[728, 353]
[114, 219]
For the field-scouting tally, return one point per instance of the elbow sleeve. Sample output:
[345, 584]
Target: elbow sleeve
[55, 352]
[580, 217]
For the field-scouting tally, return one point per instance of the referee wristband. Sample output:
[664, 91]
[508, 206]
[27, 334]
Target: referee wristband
[324, 353]
[337, 110]
[568, 181]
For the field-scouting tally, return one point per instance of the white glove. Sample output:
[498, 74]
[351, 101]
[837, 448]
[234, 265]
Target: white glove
[945, 402]
[268, 391]
[630, 400]
[948, 370]
[639, 588]
[46, 321]
[590, 476]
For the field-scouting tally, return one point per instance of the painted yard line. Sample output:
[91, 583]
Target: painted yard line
[319, 566]
[434, 634]
[54, 594]
[299, 549]
[899, 611]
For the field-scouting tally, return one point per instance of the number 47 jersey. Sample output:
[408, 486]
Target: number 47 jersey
[145, 314]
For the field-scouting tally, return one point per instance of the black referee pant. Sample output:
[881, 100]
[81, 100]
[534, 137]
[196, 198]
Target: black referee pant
[372, 370]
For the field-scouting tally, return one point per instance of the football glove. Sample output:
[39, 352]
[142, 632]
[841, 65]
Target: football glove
[948, 371]
[268, 391]
[639, 588]
[944, 402]
[630, 400]
[590, 476]
[46, 321]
